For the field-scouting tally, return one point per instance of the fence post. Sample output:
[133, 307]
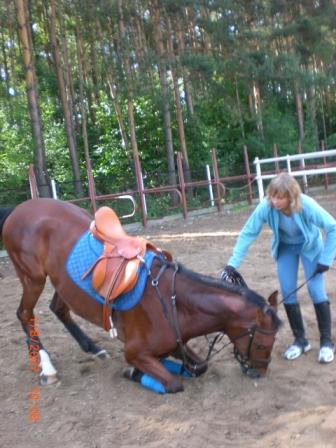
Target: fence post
[92, 189]
[143, 189]
[259, 179]
[138, 174]
[248, 172]
[53, 188]
[182, 184]
[216, 178]
[208, 175]
[32, 182]
[326, 179]
[289, 168]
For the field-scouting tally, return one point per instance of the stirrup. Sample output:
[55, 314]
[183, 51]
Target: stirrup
[295, 350]
[326, 354]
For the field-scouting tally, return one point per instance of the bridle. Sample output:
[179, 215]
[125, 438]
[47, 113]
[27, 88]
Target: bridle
[246, 363]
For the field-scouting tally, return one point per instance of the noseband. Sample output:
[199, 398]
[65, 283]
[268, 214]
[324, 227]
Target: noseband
[247, 364]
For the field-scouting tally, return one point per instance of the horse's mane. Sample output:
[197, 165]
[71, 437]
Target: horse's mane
[211, 281]
[4, 213]
[247, 293]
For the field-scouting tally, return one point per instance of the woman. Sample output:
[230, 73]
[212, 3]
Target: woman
[295, 220]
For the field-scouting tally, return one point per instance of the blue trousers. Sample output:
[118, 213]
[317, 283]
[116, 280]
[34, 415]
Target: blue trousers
[288, 259]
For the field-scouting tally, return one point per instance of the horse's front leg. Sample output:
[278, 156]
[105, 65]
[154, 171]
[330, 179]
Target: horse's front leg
[61, 310]
[149, 365]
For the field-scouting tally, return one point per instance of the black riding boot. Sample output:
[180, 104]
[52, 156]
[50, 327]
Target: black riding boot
[300, 344]
[293, 312]
[323, 315]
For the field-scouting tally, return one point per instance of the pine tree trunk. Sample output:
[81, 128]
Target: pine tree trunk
[127, 68]
[312, 108]
[324, 125]
[7, 78]
[32, 95]
[139, 40]
[114, 97]
[130, 107]
[241, 120]
[12, 37]
[155, 13]
[67, 72]
[81, 99]
[95, 77]
[299, 112]
[257, 108]
[87, 82]
[121, 124]
[186, 83]
[178, 107]
[64, 100]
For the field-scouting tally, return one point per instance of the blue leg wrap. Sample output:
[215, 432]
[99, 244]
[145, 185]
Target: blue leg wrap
[176, 368]
[152, 384]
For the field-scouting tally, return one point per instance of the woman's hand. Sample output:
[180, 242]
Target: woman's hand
[231, 275]
[320, 268]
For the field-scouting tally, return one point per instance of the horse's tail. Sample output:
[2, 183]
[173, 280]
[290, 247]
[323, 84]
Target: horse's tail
[4, 213]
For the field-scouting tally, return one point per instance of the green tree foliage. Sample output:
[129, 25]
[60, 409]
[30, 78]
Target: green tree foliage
[241, 68]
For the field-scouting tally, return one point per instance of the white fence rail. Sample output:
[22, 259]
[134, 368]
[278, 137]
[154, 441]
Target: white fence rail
[288, 159]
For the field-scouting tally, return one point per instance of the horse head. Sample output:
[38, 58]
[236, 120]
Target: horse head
[253, 347]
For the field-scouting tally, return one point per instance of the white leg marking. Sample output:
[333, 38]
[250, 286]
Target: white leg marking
[48, 371]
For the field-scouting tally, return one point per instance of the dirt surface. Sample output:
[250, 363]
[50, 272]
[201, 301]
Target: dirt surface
[92, 406]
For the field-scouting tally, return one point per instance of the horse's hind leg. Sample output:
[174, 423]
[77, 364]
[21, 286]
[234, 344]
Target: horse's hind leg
[61, 310]
[39, 359]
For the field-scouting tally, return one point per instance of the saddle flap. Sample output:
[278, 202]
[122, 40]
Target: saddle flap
[99, 274]
[113, 277]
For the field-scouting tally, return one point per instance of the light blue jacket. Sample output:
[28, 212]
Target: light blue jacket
[310, 220]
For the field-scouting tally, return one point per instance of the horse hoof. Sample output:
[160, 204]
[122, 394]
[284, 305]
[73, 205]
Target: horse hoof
[102, 354]
[46, 380]
[174, 386]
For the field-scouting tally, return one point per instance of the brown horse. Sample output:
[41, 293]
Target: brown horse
[177, 305]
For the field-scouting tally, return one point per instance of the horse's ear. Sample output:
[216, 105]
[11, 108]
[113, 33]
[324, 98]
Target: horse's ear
[273, 300]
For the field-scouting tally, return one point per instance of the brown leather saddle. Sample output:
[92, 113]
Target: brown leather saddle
[116, 270]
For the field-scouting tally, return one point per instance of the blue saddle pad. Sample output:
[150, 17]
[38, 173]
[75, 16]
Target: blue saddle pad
[82, 256]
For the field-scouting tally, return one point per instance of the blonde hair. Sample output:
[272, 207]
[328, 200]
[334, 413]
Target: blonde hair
[285, 185]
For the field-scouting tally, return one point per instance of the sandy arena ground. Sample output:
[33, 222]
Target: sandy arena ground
[92, 406]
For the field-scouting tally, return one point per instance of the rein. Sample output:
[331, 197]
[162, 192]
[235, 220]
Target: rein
[302, 284]
[297, 289]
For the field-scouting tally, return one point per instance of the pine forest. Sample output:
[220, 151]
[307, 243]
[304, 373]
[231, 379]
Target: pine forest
[112, 80]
